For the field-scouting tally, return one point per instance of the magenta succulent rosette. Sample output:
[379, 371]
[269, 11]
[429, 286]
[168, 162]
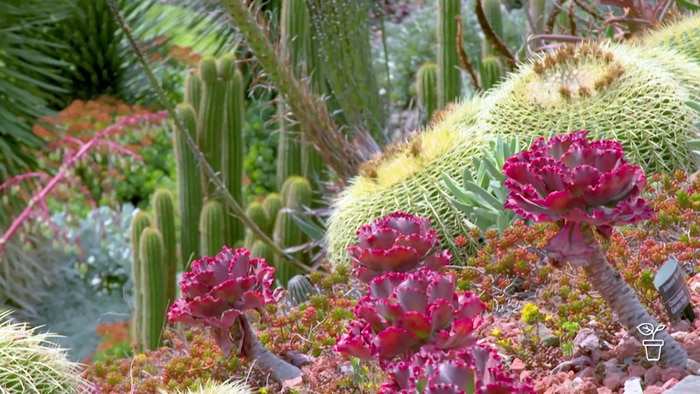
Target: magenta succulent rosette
[218, 290]
[574, 181]
[473, 370]
[405, 312]
[398, 242]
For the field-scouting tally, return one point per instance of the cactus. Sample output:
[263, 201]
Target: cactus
[193, 89]
[621, 93]
[492, 10]
[164, 215]
[153, 285]
[256, 212]
[262, 250]
[426, 87]
[449, 80]
[211, 228]
[210, 120]
[683, 35]
[490, 71]
[296, 193]
[189, 187]
[272, 205]
[233, 143]
[300, 289]
[140, 222]
[214, 387]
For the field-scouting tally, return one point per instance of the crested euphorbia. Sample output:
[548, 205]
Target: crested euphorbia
[398, 242]
[473, 370]
[585, 185]
[218, 291]
[405, 312]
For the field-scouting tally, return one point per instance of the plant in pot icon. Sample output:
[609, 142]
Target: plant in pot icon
[652, 347]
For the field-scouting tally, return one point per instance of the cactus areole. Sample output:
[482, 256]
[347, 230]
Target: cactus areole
[585, 185]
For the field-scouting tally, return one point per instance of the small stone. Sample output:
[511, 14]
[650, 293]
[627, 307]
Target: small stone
[633, 385]
[604, 390]
[652, 375]
[689, 385]
[636, 370]
[653, 390]
[612, 381]
[587, 372]
[627, 348]
[693, 367]
[682, 325]
[669, 383]
[524, 375]
[672, 373]
[588, 387]
[517, 366]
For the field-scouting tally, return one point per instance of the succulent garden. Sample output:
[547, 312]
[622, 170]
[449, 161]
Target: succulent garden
[350, 196]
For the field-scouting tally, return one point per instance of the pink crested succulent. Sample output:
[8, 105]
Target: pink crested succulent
[473, 370]
[398, 242]
[405, 312]
[218, 290]
[575, 182]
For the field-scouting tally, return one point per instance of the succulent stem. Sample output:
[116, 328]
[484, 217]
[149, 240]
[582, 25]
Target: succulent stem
[281, 370]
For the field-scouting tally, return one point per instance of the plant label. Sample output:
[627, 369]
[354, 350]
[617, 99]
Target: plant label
[674, 291]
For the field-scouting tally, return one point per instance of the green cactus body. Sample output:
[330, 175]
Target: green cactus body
[210, 120]
[449, 80]
[262, 250]
[683, 35]
[621, 92]
[408, 178]
[140, 222]
[296, 193]
[189, 187]
[491, 71]
[153, 278]
[211, 228]
[164, 215]
[193, 89]
[300, 289]
[272, 205]
[492, 10]
[256, 213]
[233, 154]
[426, 87]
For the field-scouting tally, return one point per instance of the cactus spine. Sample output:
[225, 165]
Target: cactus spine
[426, 87]
[490, 71]
[164, 214]
[189, 185]
[153, 268]
[300, 289]
[140, 222]
[449, 81]
[296, 193]
[211, 228]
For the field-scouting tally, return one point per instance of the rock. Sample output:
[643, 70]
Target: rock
[633, 386]
[682, 325]
[612, 381]
[669, 383]
[612, 366]
[587, 387]
[587, 372]
[604, 390]
[636, 370]
[693, 367]
[672, 373]
[652, 375]
[627, 348]
[653, 390]
[689, 385]
[525, 375]
[680, 336]
[517, 366]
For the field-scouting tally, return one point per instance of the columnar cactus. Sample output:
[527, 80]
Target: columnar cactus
[153, 285]
[256, 212]
[426, 88]
[140, 222]
[492, 10]
[490, 71]
[211, 228]
[272, 205]
[296, 194]
[164, 215]
[449, 80]
[193, 89]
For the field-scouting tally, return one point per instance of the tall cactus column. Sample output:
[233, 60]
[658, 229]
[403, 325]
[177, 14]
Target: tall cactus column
[140, 222]
[296, 194]
[426, 87]
[153, 284]
[164, 209]
[210, 120]
[449, 80]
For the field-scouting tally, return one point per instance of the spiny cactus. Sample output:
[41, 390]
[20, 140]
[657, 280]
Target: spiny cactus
[210, 118]
[449, 80]
[683, 35]
[492, 10]
[153, 286]
[272, 205]
[262, 250]
[31, 364]
[619, 93]
[164, 215]
[490, 71]
[300, 289]
[256, 212]
[211, 228]
[296, 194]
[214, 387]
[426, 88]
[189, 184]
[193, 89]
[140, 222]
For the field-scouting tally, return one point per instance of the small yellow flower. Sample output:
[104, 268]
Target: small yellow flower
[530, 313]
[496, 332]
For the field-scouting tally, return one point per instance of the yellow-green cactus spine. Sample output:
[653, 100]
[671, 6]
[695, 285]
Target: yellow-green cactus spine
[153, 278]
[426, 88]
[490, 71]
[449, 80]
[296, 194]
[256, 212]
[683, 35]
[614, 91]
[210, 120]
[189, 184]
[140, 222]
[193, 89]
[232, 141]
[164, 215]
[272, 205]
[294, 41]
[211, 228]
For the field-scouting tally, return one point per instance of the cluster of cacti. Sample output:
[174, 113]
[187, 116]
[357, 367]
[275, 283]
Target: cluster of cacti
[683, 35]
[154, 267]
[31, 364]
[264, 214]
[295, 194]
